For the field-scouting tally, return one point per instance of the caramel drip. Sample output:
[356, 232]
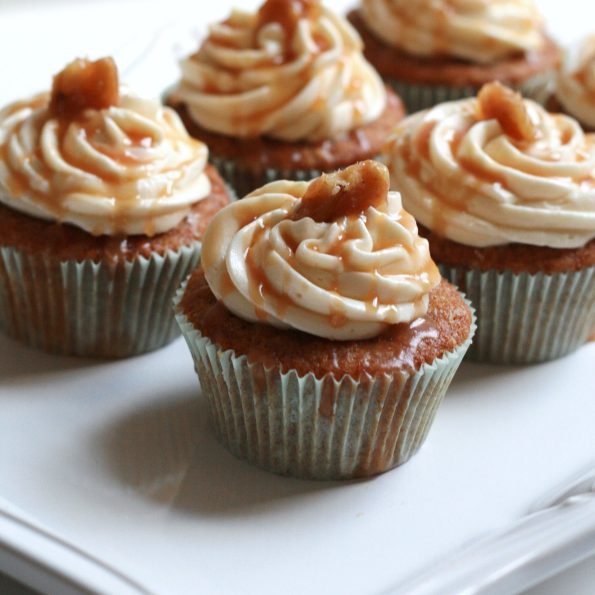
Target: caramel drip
[261, 291]
[582, 78]
[448, 192]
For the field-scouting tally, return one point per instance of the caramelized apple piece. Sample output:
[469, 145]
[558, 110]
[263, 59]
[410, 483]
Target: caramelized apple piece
[505, 105]
[349, 191]
[84, 84]
[287, 13]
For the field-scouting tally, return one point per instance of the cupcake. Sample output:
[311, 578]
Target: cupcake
[431, 51]
[104, 198]
[505, 193]
[284, 93]
[575, 84]
[322, 334]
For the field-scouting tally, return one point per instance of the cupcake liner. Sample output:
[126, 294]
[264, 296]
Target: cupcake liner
[95, 309]
[423, 96]
[244, 180]
[317, 428]
[524, 318]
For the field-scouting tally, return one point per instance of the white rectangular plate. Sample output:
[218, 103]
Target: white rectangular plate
[111, 480]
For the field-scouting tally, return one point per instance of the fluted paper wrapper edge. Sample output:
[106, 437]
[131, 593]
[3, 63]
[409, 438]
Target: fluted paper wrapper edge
[317, 428]
[93, 309]
[527, 318]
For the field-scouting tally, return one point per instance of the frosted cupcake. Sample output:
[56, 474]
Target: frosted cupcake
[103, 202]
[575, 84]
[433, 51]
[323, 336]
[505, 193]
[284, 93]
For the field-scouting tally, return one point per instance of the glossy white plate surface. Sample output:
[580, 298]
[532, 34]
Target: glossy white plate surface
[111, 481]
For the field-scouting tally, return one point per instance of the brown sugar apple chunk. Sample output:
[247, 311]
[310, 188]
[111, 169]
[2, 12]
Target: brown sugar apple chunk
[84, 85]
[344, 193]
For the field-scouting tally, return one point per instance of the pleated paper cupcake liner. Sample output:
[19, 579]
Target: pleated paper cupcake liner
[243, 180]
[418, 97]
[524, 318]
[94, 309]
[318, 428]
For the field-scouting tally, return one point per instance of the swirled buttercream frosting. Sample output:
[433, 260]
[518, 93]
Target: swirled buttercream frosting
[97, 157]
[293, 71]
[337, 257]
[575, 88]
[480, 31]
[496, 169]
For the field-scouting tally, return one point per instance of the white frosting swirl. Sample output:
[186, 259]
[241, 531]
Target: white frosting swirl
[576, 82]
[465, 179]
[129, 169]
[481, 31]
[242, 82]
[347, 279]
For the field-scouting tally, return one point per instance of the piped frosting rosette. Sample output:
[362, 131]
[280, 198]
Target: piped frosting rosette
[575, 88]
[126, 168]
[482, 173]
[333, 274]
[481, 31]
[292, 71]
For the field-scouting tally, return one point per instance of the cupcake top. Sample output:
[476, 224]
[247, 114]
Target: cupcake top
[496, 169]
[293, 71]
[337, 257]
[480, 31]
[575, 89]
[93, 155]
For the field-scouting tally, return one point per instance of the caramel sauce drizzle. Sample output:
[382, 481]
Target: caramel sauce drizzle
[346, 193]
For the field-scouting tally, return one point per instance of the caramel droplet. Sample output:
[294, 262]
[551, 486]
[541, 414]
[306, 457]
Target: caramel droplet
[508, 107]
[84, 85]
[349, 191]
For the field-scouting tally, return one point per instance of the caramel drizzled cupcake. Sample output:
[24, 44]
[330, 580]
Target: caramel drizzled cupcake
[104, 198]
[432, 51]
[575, 84]
[284, 93]
[505, 193]
[323, 336]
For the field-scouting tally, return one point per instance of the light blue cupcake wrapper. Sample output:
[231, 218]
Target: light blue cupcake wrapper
[94, 309]
[243, 180]
[524, 318]
[418, 97]
[317, 428]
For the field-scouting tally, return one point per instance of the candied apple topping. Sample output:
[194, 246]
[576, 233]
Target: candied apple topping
[349, 191]
[508, 107]
[287, 13]
[84, 85]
